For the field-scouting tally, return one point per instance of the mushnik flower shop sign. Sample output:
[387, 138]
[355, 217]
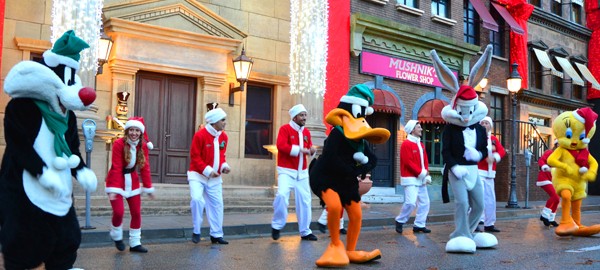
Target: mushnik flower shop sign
[399, 69]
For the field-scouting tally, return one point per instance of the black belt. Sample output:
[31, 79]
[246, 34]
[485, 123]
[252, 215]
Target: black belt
[130, 170]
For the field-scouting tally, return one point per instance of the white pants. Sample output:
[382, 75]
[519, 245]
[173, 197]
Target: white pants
[489, 202]
[415, 197]
[323, 219]
[211, 198]
[303, 197]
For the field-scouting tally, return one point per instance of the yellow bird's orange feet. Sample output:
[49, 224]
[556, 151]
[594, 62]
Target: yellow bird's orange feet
[587, 230]
[363, 256]
[566, 229]
[334, 256]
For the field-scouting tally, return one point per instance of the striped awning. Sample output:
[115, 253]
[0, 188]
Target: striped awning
[486, 18]
[542, 56]
[587, 75]
[568, 68]
[514, 25]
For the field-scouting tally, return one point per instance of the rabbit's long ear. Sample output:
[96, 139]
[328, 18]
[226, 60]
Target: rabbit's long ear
[481, 68]
[444, 74]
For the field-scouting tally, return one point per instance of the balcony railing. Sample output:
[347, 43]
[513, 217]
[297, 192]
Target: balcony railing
[528, 137]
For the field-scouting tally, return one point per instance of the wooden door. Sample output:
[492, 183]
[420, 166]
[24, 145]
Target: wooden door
[383, 174]
[167, 104]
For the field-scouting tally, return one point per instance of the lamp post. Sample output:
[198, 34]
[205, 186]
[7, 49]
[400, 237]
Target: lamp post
[104, 46]
[513, 84]
[242, 65]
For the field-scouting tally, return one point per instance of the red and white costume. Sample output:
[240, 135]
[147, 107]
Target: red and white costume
[487, 173]
[414, 177]
[545, 182]
[292, 169]
[124, 180]
[207, 156]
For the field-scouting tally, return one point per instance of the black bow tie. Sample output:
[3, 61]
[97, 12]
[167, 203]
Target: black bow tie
[470, 127]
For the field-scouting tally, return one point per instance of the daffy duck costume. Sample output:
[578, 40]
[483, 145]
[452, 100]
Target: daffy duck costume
[333, 176]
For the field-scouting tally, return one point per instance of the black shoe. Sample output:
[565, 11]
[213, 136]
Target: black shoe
[423, 230]
[490, 229]
[545, 221]
[310, 237]
[275, 234]
[477, 229]
[399, 227]
[195, 238]
[480, 222]
[138, 248]
[119, 245]
[343, 231]
[322, 227]
[218, 240]
[553, 223]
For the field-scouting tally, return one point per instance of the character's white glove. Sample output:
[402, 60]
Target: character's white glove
[87, 179]
[459, 171]
[428, 180]
[50, 179]
[471, 154]
[546, 168]
[360, 158]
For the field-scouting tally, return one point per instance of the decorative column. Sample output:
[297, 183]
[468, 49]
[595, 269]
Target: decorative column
[314, 121]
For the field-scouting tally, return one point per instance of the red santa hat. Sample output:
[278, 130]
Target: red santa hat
[466, 96]
[138, 122]
[588, 117]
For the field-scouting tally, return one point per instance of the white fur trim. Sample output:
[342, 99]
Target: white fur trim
[116, 233]
[148, 190]
[545, 168]
[583, 170]
[355, 100]
[422, 174]
[53, 60]
[73, 161]
[485, 240]
[578, 117]
[543, 183]
[225, 166]
[496, 157]
[461, 244]
[207, 171]
[135, 123]
[466, 102]
[295, 151]
[150, 145]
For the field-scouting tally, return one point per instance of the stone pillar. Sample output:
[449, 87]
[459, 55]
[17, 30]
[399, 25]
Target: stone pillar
[314, 122]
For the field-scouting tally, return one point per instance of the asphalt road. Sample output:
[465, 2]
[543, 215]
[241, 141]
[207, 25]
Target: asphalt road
[523, 244]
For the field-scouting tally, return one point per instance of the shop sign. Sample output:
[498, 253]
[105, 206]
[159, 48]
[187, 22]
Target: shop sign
[399, 69]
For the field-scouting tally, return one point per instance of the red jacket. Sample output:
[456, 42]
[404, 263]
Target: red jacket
[289, 144]
[498, 154]
[544, 176]
[413, 169]
[116, 180]
[206, 144]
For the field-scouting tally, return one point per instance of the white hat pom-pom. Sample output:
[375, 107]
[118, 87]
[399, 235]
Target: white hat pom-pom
[59, 163]
[73, 161]
[150, 145]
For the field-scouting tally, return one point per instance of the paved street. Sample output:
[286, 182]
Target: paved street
[524, 244]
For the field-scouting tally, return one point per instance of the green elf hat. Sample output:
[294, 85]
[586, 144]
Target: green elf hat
[362, 95]
[66, 51]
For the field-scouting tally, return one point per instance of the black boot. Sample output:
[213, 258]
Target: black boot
[120, 245]
[553, 223]
[138, 248]
[322, 227]
[399, 227]
[195, 238]
[218, 240]
[275, 234]
[546, 221]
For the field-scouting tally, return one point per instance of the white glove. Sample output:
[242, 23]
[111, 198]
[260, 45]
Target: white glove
[50, 179]
[545, 168]
[471, 154]
[428, 180]
[459, 171]
[360, 158]
[87, 179]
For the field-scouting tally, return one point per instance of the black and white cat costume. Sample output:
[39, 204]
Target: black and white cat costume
[464, 143]
[37, 217]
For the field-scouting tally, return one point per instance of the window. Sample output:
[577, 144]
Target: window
[409, 3]
[539, 120]
[497, 38]
[556, 7]
[439, 8]
[577, 91]
[259, 120]
[557, 82]
[575, 13]
[497, 114]
[432, 139]
[471, 23]
[537, 3]
[535, 72]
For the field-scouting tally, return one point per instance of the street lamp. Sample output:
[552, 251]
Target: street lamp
[513, 83]
[242, 65]
[104, 46]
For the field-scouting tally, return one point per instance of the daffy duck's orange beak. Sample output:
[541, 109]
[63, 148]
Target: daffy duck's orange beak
[356, 128]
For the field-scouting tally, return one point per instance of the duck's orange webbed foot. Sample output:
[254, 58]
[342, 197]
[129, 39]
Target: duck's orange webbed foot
[334, 256]
[587, 230]
[566, 229]
[359, 256]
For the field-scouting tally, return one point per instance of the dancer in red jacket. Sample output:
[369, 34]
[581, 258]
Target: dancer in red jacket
[129, 154]
[545, 182]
